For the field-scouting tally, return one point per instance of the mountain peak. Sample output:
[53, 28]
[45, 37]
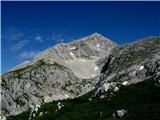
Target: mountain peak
[100, 37]
[95, 38]
[97, 35]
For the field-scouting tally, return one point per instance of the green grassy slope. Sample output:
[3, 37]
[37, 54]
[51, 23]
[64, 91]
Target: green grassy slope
[141, 100]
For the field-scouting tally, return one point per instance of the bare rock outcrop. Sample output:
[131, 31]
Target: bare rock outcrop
[61, 72]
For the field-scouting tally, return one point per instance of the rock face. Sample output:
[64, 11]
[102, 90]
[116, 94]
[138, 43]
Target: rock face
[61, 72]
[81, 55]
[73, 69]
[131, 63]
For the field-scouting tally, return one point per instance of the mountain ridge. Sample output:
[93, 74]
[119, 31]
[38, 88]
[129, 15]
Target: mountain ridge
[61, 72]
[90, 37]
[48, 81]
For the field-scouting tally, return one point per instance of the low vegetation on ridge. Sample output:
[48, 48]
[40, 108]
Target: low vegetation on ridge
[141, 101]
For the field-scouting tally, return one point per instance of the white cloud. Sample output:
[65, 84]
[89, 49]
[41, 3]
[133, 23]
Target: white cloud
[12, 34]
[19, 45]
[28, 54]
[38, 38]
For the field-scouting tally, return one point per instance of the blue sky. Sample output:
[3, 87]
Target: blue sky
[30, 27]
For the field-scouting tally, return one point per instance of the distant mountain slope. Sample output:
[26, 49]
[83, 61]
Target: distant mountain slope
[132, 62]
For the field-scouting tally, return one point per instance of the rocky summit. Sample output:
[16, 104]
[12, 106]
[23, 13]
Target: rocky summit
[61, 72]
[90, 78]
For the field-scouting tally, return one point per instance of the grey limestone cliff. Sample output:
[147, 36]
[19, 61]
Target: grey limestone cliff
[64, 71]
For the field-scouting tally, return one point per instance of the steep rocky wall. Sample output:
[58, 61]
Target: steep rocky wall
[61, 72]
[131, 63]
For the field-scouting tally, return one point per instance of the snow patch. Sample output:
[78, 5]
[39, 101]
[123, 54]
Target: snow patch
[73, 48]
[141, 68]
[125, 83]
[72, 54]
[98, 46]
[83, 60]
